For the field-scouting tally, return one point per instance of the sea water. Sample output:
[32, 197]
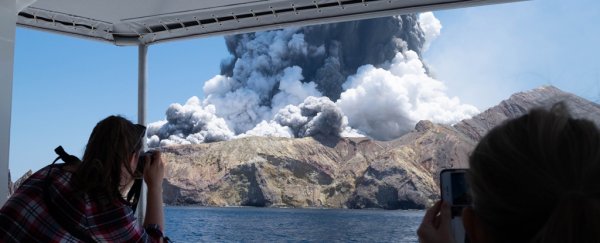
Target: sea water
[248, 224]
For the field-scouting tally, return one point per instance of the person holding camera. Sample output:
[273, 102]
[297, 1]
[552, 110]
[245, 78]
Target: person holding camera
[83, 201]
[532, 179]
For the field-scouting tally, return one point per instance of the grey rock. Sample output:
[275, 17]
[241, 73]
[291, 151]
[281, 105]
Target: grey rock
[423, 126]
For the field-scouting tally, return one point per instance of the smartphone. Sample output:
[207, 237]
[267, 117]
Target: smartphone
[455, 191]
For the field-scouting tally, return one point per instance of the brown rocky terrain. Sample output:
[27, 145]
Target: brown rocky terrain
[308, 172]
[341, 172]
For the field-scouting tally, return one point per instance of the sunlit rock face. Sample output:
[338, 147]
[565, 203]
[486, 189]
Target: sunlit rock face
[308, 172]
[342, 172]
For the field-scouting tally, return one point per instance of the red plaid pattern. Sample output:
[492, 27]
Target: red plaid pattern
[25, 216]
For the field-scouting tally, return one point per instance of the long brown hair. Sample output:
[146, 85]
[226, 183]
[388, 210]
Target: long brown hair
[537, 179]
[112, 144]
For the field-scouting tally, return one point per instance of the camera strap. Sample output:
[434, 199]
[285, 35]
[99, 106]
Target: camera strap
[134, 194]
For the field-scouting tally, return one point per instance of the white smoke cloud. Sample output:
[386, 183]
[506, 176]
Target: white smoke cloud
[269, 129]
[430, 26]
[240, 108]
[220, 85]
[386, 104]
[292, 90]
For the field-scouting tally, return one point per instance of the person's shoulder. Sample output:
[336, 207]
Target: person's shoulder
[35, 180]
[50, 179]
[28, 196]
[49, 171]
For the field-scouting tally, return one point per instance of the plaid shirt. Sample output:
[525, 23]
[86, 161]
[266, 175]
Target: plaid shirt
[25, 216]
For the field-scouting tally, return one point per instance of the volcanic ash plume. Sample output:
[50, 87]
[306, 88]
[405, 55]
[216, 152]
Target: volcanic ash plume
[284, 83]
[188, 124]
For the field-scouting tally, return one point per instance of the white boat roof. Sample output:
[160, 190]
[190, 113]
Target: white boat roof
[143, 22]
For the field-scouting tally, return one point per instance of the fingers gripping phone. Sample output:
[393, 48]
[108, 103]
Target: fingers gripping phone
[455, 191]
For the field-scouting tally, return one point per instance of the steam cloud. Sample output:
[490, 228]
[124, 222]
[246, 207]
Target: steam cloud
[385, 103]
[431, 27]
[284, 83]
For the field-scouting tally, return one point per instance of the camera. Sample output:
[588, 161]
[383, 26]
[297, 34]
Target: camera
[143, 159]
[455, 191]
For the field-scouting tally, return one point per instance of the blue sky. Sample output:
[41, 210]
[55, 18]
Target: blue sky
[63, 86]
[486, 53]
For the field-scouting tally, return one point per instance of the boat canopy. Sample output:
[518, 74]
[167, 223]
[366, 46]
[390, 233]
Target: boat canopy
[135, 22]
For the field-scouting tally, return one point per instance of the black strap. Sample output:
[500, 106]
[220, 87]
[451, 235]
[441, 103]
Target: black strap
[134, 193]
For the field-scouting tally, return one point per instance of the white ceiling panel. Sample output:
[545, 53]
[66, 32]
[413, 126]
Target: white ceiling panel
[135, 22]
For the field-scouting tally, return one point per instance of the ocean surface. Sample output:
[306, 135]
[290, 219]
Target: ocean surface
[247, 224]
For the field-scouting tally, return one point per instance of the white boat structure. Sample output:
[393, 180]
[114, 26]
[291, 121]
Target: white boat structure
[145, 22]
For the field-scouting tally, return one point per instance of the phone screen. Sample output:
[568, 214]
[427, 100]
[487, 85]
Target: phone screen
[460, 190]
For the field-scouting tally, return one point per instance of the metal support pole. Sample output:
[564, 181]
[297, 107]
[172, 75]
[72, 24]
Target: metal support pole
[8, 25]
[142, 54]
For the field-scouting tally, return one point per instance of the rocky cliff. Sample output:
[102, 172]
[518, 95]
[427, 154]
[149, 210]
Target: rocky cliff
[309, 172]
[341, 172]
[518, 104]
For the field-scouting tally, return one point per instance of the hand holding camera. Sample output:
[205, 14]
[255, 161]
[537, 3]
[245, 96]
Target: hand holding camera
[151, 165]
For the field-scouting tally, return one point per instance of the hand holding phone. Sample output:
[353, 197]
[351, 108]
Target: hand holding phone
[455, 192]
[436, 227]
